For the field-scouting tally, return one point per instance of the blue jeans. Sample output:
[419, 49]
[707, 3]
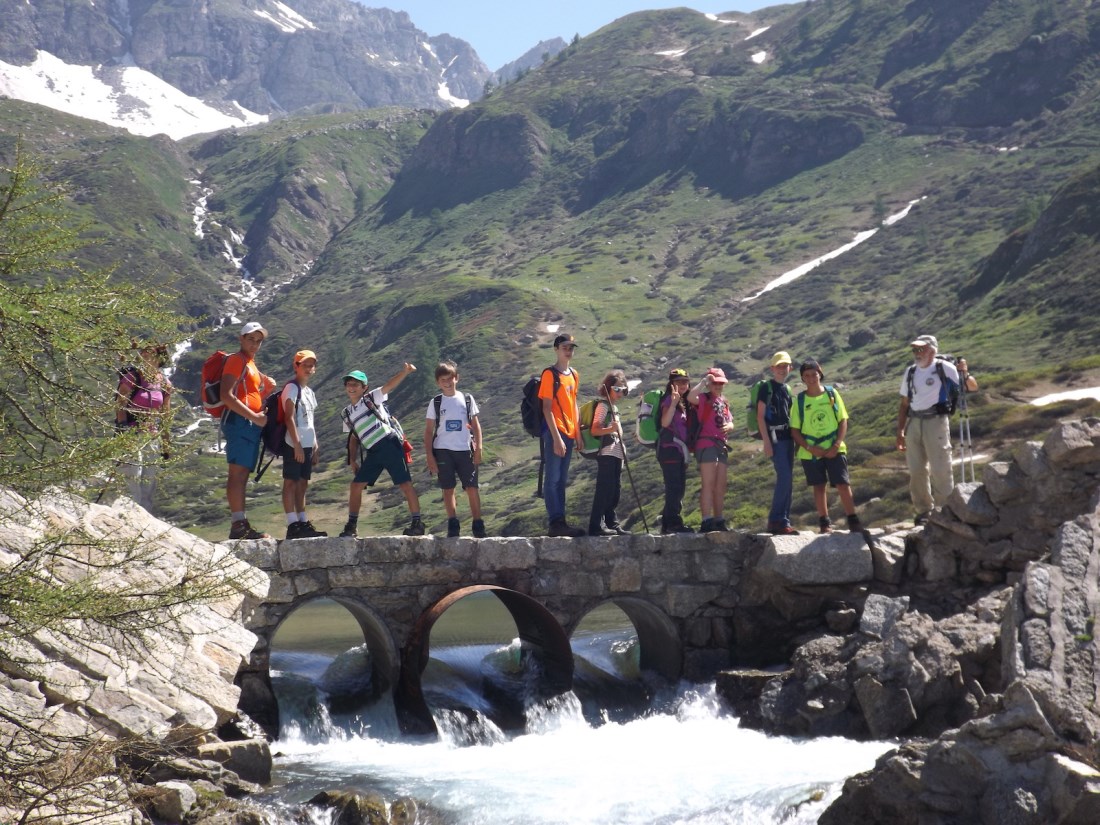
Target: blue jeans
[783, 461]
[555, 476]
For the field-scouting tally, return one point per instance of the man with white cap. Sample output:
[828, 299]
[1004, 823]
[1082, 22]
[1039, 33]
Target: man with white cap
[924, 427]
[773, 421]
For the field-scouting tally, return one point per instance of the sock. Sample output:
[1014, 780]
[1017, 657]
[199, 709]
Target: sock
[302, 517]
[291, 518]
[353, 519]
[237, 515]
[415, 517]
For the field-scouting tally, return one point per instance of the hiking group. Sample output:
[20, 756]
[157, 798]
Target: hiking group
[683, 422]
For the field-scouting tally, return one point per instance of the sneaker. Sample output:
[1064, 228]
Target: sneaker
[415, 528]
[306, 530]
[243, 530]
[854, 525]
[783, 530]
[602, 532]
[454, 528]
[294, 530]
[619, 530]
[479, 529]
[349, 531]
[678, 528]
[720, 526]
[707, 526]
[826, 524]
[560, 529]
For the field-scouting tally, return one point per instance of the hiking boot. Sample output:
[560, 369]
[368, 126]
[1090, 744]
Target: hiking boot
[826, 524]
[783, 530]
[294, 530]
[707, 526]
[560, 529]
[676, 528]
[243, 530]
[479, 529]
[854, 525]
[415, 528]
[920, 518]
[349, 531]
[720, 526]
[454, 528]
[603, 532]
[306, 530]
[619, 530]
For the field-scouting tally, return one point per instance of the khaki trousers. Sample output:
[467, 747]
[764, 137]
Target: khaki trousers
[928, 453]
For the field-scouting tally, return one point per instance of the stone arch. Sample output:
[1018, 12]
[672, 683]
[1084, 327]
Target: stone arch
[661, 649]
[258, 698]
[540, 635]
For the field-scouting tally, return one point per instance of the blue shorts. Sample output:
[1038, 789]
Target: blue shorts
[389, 455]
[292, 470]
[820, 470]
[242, 440]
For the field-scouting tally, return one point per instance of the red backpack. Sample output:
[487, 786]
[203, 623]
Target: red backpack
[212, 369]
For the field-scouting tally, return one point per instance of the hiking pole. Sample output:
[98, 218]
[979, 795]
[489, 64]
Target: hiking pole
[966, 444]
[637, 498]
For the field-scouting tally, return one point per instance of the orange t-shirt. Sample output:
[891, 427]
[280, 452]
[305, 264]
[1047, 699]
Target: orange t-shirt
[250, 390]
[565, 405]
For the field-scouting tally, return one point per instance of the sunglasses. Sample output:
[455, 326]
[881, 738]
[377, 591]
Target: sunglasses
[919, 350]
[621, 390]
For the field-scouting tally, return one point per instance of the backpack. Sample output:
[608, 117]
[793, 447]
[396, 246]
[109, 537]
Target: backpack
[212, 369]
[369, 428]
[771, 412]
[530, 409]
[648, 428]
[949, 390]
[273, 432]
[589, 445]
[438, 402]
[815, 440]
[138, 384]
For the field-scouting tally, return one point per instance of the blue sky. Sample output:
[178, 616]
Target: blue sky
[502, 30]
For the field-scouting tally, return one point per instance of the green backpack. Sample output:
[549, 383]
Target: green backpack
[752, 428]
[648, 429]
[589, 445]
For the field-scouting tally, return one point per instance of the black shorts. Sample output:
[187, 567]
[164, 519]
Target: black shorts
[455, 466]
[292, 470]
[820, 470]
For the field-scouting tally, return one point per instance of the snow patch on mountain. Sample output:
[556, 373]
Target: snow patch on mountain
[125, 96]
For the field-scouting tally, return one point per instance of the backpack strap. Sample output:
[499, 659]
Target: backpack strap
[816, 440]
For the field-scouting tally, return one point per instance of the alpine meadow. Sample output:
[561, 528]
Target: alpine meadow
[639, 189]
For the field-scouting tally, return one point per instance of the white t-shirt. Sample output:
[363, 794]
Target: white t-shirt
[454, 431]
[926, 385]
[307, 407]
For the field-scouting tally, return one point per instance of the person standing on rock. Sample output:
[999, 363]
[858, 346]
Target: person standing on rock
[243, 390]
[773, 420]
[924, 426]
[819, 422]
[711, 449]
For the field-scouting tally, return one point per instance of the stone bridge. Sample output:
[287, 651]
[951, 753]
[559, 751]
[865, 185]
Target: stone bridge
[696, 601]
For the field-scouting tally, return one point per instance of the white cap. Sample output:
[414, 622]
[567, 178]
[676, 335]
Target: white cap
[253, 326]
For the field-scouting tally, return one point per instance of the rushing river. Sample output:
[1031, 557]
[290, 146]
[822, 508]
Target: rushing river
[619, 749]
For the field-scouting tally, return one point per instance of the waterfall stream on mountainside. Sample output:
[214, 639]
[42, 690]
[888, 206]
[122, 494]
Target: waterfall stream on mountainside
[620, 748]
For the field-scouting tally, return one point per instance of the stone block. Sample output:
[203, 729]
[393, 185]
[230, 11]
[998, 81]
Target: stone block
[1004, 482]
[887, 709]
[626, 576]
[171, 801]
[888, 558]
[250, 759]
[712, 567]
[1074, 443]
[971, 504]
[938, 561]
[667, 567]
[1031, 459]
[492, 555]
[307, 555]
[360, 576]
[261, 554]
[686, 599]
[1036, 590]
[839, 558]
[310, 582]
[1072, 549]
[580, 584]
[880, 614]
[1036, 645]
